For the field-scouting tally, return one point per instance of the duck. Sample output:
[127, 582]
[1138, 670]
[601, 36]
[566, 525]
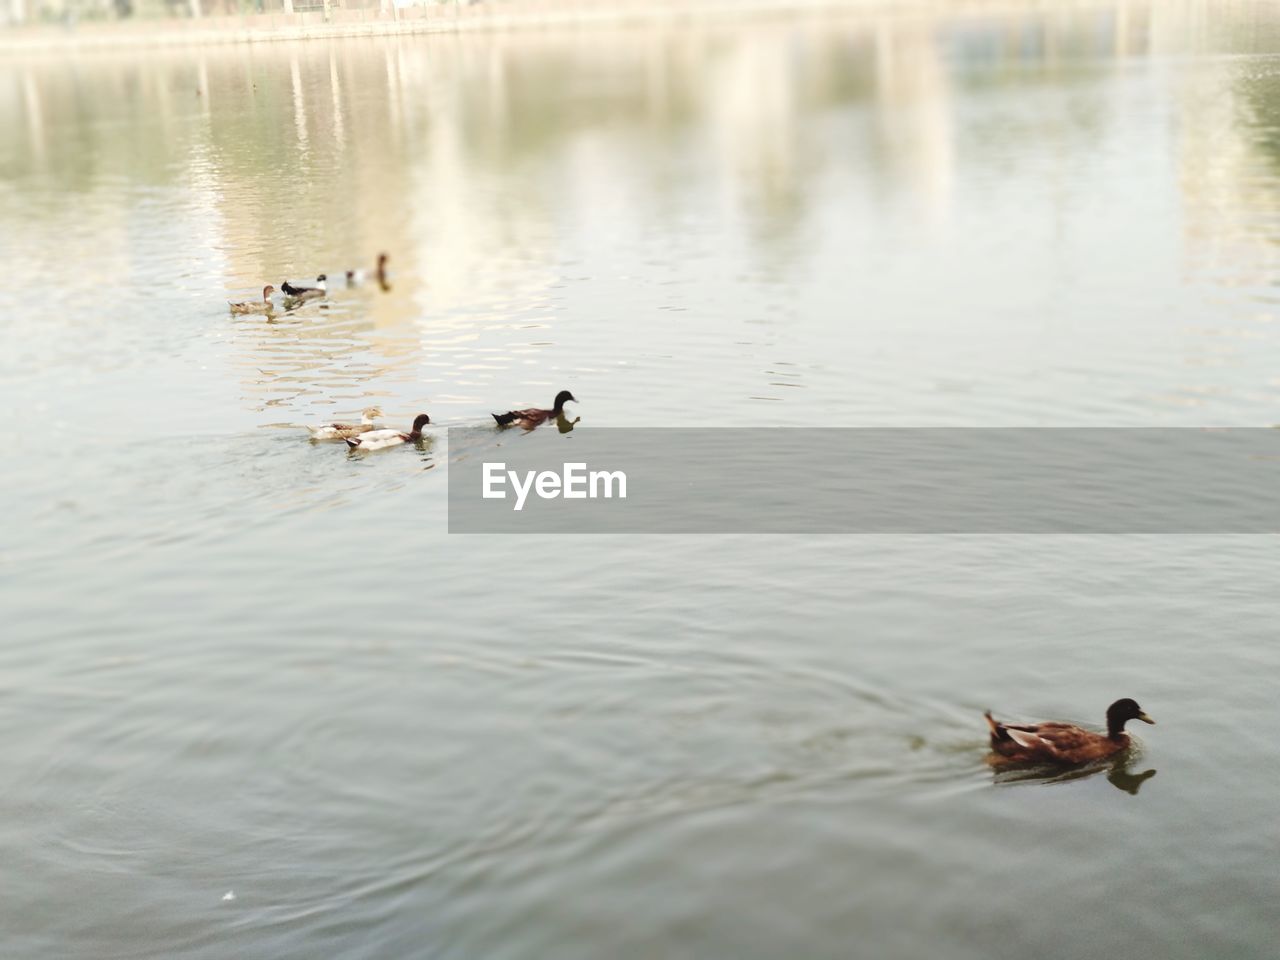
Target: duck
[305, 293]
[341, 431]
[377, 439]
[533, 416]
[255, 306]
[357, 277]
[1064, 743]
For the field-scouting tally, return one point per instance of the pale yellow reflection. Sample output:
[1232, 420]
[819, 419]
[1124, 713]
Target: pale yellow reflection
[914, 114]
[470, 159]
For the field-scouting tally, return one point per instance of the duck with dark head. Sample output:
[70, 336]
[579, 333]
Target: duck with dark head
[1064, 743]
[531, 417]
[377, 439]
[306, 293]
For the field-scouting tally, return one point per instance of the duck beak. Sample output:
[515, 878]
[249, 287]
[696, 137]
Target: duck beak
[1145, 719]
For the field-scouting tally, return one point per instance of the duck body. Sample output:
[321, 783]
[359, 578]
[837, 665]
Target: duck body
[341, 431]
[255, 306]
[1064, 743]
[305, 293]
[533, 416]
[359, 275]
[378, 439]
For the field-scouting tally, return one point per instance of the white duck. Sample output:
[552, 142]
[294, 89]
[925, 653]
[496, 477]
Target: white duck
[299, 294]
[377, 439]
[341, 431]
[359, 276]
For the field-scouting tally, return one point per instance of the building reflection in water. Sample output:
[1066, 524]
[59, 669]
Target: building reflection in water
[471, 160]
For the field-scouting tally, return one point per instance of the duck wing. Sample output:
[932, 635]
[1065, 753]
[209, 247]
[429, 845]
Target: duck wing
[336, 431]
[1060, 741]
[533, 416]
[376, 439]
[371, 435]
[528, 418]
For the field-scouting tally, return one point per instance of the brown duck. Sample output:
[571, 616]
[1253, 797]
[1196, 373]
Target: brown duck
[533, 416]
[1064, 743]
[255, 306]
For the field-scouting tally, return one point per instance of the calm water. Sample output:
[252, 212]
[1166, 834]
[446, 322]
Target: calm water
[234, 661]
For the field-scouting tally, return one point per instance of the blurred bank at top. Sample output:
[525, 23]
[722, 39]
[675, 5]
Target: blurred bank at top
[74, 12]
[129, 20]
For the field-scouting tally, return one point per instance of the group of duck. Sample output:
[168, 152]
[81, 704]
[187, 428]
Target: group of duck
[295, 295]
[368, 435]
[1051, 742]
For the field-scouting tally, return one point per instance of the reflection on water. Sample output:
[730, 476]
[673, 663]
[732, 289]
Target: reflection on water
[234, 659]
[1119, 770]
[1123, 779]
[423, 445]
[740, 187]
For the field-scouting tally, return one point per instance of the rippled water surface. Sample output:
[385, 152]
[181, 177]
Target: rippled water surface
[256, 701]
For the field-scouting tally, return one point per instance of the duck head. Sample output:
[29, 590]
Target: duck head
[371, 414]
[1121, 712]
[267, 291]
[420, 421]
[322, 281]
[563, 397]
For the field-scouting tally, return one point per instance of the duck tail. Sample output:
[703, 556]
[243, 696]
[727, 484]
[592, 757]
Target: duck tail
[352, 442]
[998, 732]
[504, 419]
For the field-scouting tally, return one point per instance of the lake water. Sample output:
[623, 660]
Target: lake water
[258, 703]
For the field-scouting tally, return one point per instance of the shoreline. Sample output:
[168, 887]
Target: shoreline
[493, 17]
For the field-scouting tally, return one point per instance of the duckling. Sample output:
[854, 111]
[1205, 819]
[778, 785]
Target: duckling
[1064, 743]
[340, 431]
[305, 293]
[533, 416]
[377, 439]
[254, 306]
